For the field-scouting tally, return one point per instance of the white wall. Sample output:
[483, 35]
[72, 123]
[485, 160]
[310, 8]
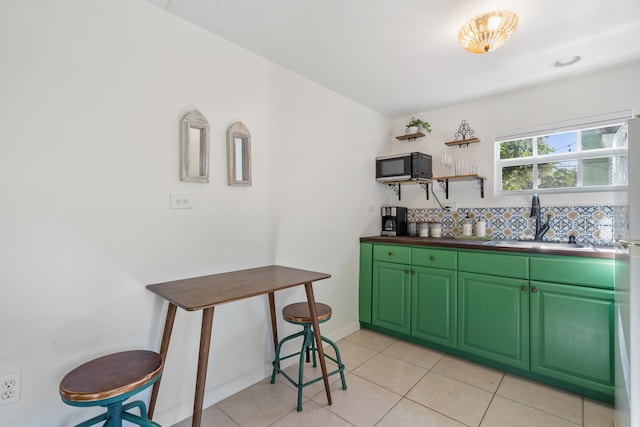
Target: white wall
[92, 93]
[597, 93]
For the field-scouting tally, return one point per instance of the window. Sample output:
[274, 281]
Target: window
[587, 155]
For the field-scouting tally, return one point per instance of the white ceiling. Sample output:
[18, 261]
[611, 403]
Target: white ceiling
[400, 57]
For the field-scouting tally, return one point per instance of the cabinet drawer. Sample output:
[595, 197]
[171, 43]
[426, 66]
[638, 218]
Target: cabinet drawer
[391, 253]
[437, 258]
[494, 264]
[594, 272]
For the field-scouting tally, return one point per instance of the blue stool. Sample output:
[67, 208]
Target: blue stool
[298, 314]
[110, 380]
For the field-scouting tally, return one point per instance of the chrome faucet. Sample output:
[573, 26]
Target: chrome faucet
[536, 213]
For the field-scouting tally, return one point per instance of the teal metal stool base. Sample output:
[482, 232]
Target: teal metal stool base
[108, 382]
[117, 412]
[298, 314]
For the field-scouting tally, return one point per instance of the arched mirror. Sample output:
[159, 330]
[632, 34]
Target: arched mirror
[194, 147]
[238, 155]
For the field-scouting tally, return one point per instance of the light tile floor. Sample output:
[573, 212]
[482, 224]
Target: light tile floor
[393, 383]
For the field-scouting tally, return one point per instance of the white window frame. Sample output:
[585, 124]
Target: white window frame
[585, 123]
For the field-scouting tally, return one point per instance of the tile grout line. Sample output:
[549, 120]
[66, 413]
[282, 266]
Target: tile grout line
[491, 401]
[479, 388]
[542, 410]
[404, 396]
[443, 356]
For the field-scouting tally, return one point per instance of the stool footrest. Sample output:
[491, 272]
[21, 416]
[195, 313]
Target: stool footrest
[143, 422]
[118, 411]
[92, 421]
[308, 344]
[313, 381]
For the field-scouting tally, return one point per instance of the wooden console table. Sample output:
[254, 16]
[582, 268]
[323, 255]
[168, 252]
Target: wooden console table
[204, 293]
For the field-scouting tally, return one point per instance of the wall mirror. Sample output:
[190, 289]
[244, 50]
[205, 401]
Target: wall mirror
[238, 155]
[194, 147]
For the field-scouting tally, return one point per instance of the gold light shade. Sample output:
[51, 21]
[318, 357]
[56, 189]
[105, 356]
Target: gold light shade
[488, 32]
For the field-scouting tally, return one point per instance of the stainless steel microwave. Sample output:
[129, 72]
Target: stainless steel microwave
[404, 167]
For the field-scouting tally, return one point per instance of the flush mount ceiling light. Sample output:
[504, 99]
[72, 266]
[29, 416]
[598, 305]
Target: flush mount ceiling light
[488, 32]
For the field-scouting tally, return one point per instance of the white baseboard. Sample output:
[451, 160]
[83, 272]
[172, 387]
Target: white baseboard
[346, 331]
[182, 410]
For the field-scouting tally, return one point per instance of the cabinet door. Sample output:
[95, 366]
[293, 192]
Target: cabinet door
[572, 334]
[391, 296]
[493, 318]
[433, 306]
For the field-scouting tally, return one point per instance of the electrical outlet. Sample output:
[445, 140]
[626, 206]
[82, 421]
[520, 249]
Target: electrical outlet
[181, 201]
[10, 386]
[451, 207]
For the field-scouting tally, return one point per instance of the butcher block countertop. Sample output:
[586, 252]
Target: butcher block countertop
[545, 248]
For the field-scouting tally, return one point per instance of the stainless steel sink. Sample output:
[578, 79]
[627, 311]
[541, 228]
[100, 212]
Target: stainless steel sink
[530, 244]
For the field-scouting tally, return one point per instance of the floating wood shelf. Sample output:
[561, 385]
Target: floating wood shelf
[410, 136]
[469, 177]
[463, 142]
[444, 182]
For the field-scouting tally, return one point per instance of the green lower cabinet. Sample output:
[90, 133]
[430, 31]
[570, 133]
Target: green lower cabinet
[493, 318]
[572, 334]
[391, 299]
[550, 316]
[433, 305]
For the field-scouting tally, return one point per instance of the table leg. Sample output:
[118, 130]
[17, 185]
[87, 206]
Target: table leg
[203, 360]
[274, 325]
[316, 329]
[164, 348]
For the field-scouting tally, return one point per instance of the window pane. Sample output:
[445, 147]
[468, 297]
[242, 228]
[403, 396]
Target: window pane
[517, 178]
[517, 148]
[593, 139]
[555, 160]
[558, 143]
[604, 171]
[558, 174]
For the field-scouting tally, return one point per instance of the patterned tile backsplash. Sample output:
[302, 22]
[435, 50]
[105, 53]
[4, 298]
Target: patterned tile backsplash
[594, 225]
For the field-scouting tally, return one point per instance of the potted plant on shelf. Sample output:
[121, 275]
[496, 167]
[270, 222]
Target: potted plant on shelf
[415, 125]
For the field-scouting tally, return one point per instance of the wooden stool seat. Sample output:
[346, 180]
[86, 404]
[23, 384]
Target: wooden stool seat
[110, 380]
[299, 314]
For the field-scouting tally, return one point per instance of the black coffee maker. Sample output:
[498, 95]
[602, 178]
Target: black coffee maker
[394, 221]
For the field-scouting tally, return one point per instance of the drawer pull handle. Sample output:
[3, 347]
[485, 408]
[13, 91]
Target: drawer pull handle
[406, 271]
[432, 258]
[390, 253]
[534, 290]
[413, 272]
[524, 288]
